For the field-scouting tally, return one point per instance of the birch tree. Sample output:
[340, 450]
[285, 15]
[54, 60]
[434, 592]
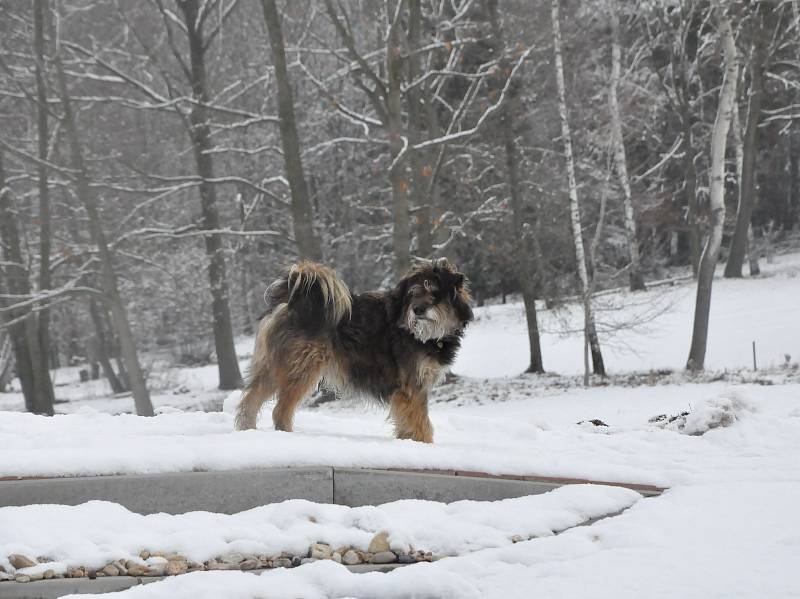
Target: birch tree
[590, 328]
[719, 136]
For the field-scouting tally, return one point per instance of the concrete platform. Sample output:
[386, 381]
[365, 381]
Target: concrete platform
[233, 491]
[226, 492]
[357, 487]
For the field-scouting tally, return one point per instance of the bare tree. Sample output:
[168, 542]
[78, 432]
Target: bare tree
[590, 328]
[141, 396]
[302, 217]
[747, 184]
[526, 272]
[45, 234]
[708, 261]
[635, 275]
[193, 17]
[37, 387]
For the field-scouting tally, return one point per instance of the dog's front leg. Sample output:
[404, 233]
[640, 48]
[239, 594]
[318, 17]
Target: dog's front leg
[409, 411]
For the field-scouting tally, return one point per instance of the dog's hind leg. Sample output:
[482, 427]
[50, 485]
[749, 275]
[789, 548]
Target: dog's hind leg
[409, 411]
[297, 375]
[256, 393]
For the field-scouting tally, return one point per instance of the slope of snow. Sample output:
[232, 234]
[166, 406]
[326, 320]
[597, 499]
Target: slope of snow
[764, 309]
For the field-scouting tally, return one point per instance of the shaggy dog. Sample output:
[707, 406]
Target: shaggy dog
[391, 346]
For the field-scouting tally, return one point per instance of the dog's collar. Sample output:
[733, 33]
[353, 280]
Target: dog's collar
[440, 344]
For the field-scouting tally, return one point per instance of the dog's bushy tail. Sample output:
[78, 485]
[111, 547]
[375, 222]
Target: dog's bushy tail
[314, 293]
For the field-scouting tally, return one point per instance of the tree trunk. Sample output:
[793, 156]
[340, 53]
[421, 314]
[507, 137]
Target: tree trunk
[747, 182]
[136, 380]
[37, 388]
[708, 261]
[690, 188]
[418, 159]
[302, 215]
[96, 312]
[590, 330]
[104, 349]
[229, 375]
[794, 177]
[635, 275]
[39, 12]
[401, 234]
[525, 273]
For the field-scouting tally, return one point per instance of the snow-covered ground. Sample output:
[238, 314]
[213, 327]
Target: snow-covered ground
[728, 526]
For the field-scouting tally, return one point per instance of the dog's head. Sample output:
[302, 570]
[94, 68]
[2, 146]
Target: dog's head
[434, 300]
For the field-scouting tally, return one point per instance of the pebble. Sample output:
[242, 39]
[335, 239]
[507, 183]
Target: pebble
[110, 570]
[383, 557]
[250, 564]
[48, 574]
[379, 543]
[20, 561]
[175, 567]
[405, 558]
[295, 561]
[282, 562]
[157, 568]
[76, 573]
[36, 576]
[135, 569]
[22, 578]
[308, 560]
[234, 557]
[516, 538]
[144, 554]
[351, 558]
[320, 551]
[195, 566]
[337, 557]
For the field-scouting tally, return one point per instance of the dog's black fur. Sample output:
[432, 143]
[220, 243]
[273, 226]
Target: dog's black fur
[387, 345]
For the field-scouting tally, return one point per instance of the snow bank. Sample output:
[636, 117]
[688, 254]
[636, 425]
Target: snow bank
[696, 542]
[97, 532]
